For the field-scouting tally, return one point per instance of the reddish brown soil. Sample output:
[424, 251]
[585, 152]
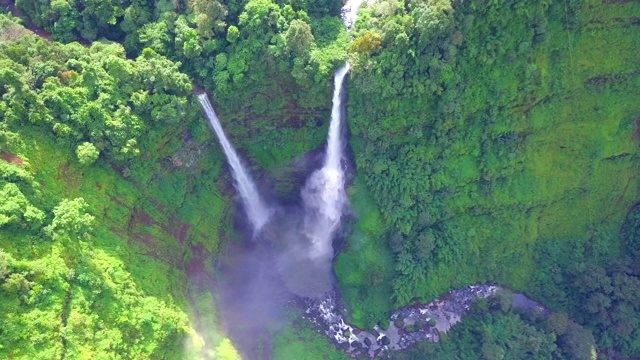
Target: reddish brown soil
[11, 6]
[182, 232]
[12, 158]
[148, 240]
[637, 133]
[179, 230]
[69, 175]
[142, 217]
[195, 267]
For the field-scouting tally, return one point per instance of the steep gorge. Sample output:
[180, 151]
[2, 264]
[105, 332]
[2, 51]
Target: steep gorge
[483, 143]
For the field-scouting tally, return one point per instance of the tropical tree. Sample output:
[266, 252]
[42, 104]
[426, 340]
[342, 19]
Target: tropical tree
[87, 153]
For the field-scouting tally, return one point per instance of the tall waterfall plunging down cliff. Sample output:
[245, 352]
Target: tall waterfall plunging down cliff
[257, 212]
[324, 196]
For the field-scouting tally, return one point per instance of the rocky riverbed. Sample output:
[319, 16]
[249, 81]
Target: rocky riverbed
[407, 325]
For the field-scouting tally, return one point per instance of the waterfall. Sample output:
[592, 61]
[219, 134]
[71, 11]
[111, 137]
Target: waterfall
[350, 13]
[255, 208]
[334, 141]
[324, 196]
[302, 242]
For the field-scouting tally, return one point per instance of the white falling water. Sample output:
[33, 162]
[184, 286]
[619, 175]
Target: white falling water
[305, 264]
[324, 196]
[350, 13]
[255, 208]
[334, 142]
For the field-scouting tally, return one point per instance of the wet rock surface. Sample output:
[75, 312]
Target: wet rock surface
[407, 325]
[188, 154]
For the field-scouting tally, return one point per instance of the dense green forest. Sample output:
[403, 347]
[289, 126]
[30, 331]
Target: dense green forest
[494, 141]
[496, 330]
[506, 129]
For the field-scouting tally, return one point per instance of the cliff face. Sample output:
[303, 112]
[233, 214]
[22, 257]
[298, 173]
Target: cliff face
[482, 129]
[103, 253]
[487, 135]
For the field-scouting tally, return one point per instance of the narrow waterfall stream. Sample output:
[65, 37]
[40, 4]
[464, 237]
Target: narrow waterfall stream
[324, 196]
[257, 212]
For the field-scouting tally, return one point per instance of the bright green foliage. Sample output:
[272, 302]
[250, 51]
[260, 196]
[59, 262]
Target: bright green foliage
[210, 17]
[16, 210]
[366, 259]
[299, 38]
[226, 351]
[87, 153]
[112, 282]
[94, 94]
[300, 341]
[366, 44]
[484, 128]
[499, 336]
[595, 285]
[70, 219]
[494, 140]
[232, 34]
[267, 63]
[490, 336]
[490, 332]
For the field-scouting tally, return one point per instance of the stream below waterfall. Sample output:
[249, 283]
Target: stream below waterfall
[408, 325]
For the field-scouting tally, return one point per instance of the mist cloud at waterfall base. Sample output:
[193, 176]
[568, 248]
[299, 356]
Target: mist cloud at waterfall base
[262, 275]
[289, 253]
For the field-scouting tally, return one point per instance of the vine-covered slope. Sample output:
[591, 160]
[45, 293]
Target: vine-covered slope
[266, 63]
[107, 201]
[482, 129]
[494, 141]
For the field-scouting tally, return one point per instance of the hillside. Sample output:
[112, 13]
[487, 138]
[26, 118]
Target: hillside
[496, 142]
[94, 250]
[490, 142]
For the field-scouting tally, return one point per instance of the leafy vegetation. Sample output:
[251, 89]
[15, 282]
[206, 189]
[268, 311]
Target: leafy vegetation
[482, 130]
[298, 340]
[266, 62]
[596, 286]
[494, 141]
[89, 264]
[495, 331]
